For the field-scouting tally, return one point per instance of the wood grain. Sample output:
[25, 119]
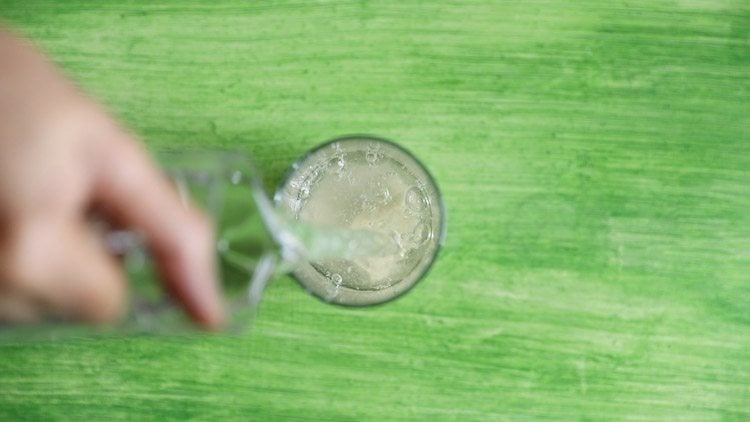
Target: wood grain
[595, 162]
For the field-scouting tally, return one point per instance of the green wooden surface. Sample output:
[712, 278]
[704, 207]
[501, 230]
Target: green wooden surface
[595, 161]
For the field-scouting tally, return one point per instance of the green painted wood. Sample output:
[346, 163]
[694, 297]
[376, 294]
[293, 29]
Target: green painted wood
[594, 158]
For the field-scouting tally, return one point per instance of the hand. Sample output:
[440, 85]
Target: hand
[63, 158]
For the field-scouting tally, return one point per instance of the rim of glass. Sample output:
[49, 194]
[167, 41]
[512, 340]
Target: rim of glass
[430, 180]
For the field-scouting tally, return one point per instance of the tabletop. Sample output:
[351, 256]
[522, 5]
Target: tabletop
[594, 158]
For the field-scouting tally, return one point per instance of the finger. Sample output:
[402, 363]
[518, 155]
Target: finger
[130, 189]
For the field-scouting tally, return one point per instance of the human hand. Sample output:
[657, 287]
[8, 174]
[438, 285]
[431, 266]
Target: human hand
[62, 159]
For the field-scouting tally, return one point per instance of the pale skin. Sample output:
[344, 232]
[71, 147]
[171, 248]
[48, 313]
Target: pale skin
[64, 159]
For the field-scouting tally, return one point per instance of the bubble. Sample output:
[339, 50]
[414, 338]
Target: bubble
[337, 279]
[371, 157]
[415, 199]
[304, 191]
[315, 175]
[373, 153]
[383, 194]
[338, 163]
[296, 206]
[421, 233]
[399, 241]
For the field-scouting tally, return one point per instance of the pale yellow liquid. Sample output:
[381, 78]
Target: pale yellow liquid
[380, 209]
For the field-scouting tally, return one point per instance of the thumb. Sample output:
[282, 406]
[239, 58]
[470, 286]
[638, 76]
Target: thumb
[76, 278]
